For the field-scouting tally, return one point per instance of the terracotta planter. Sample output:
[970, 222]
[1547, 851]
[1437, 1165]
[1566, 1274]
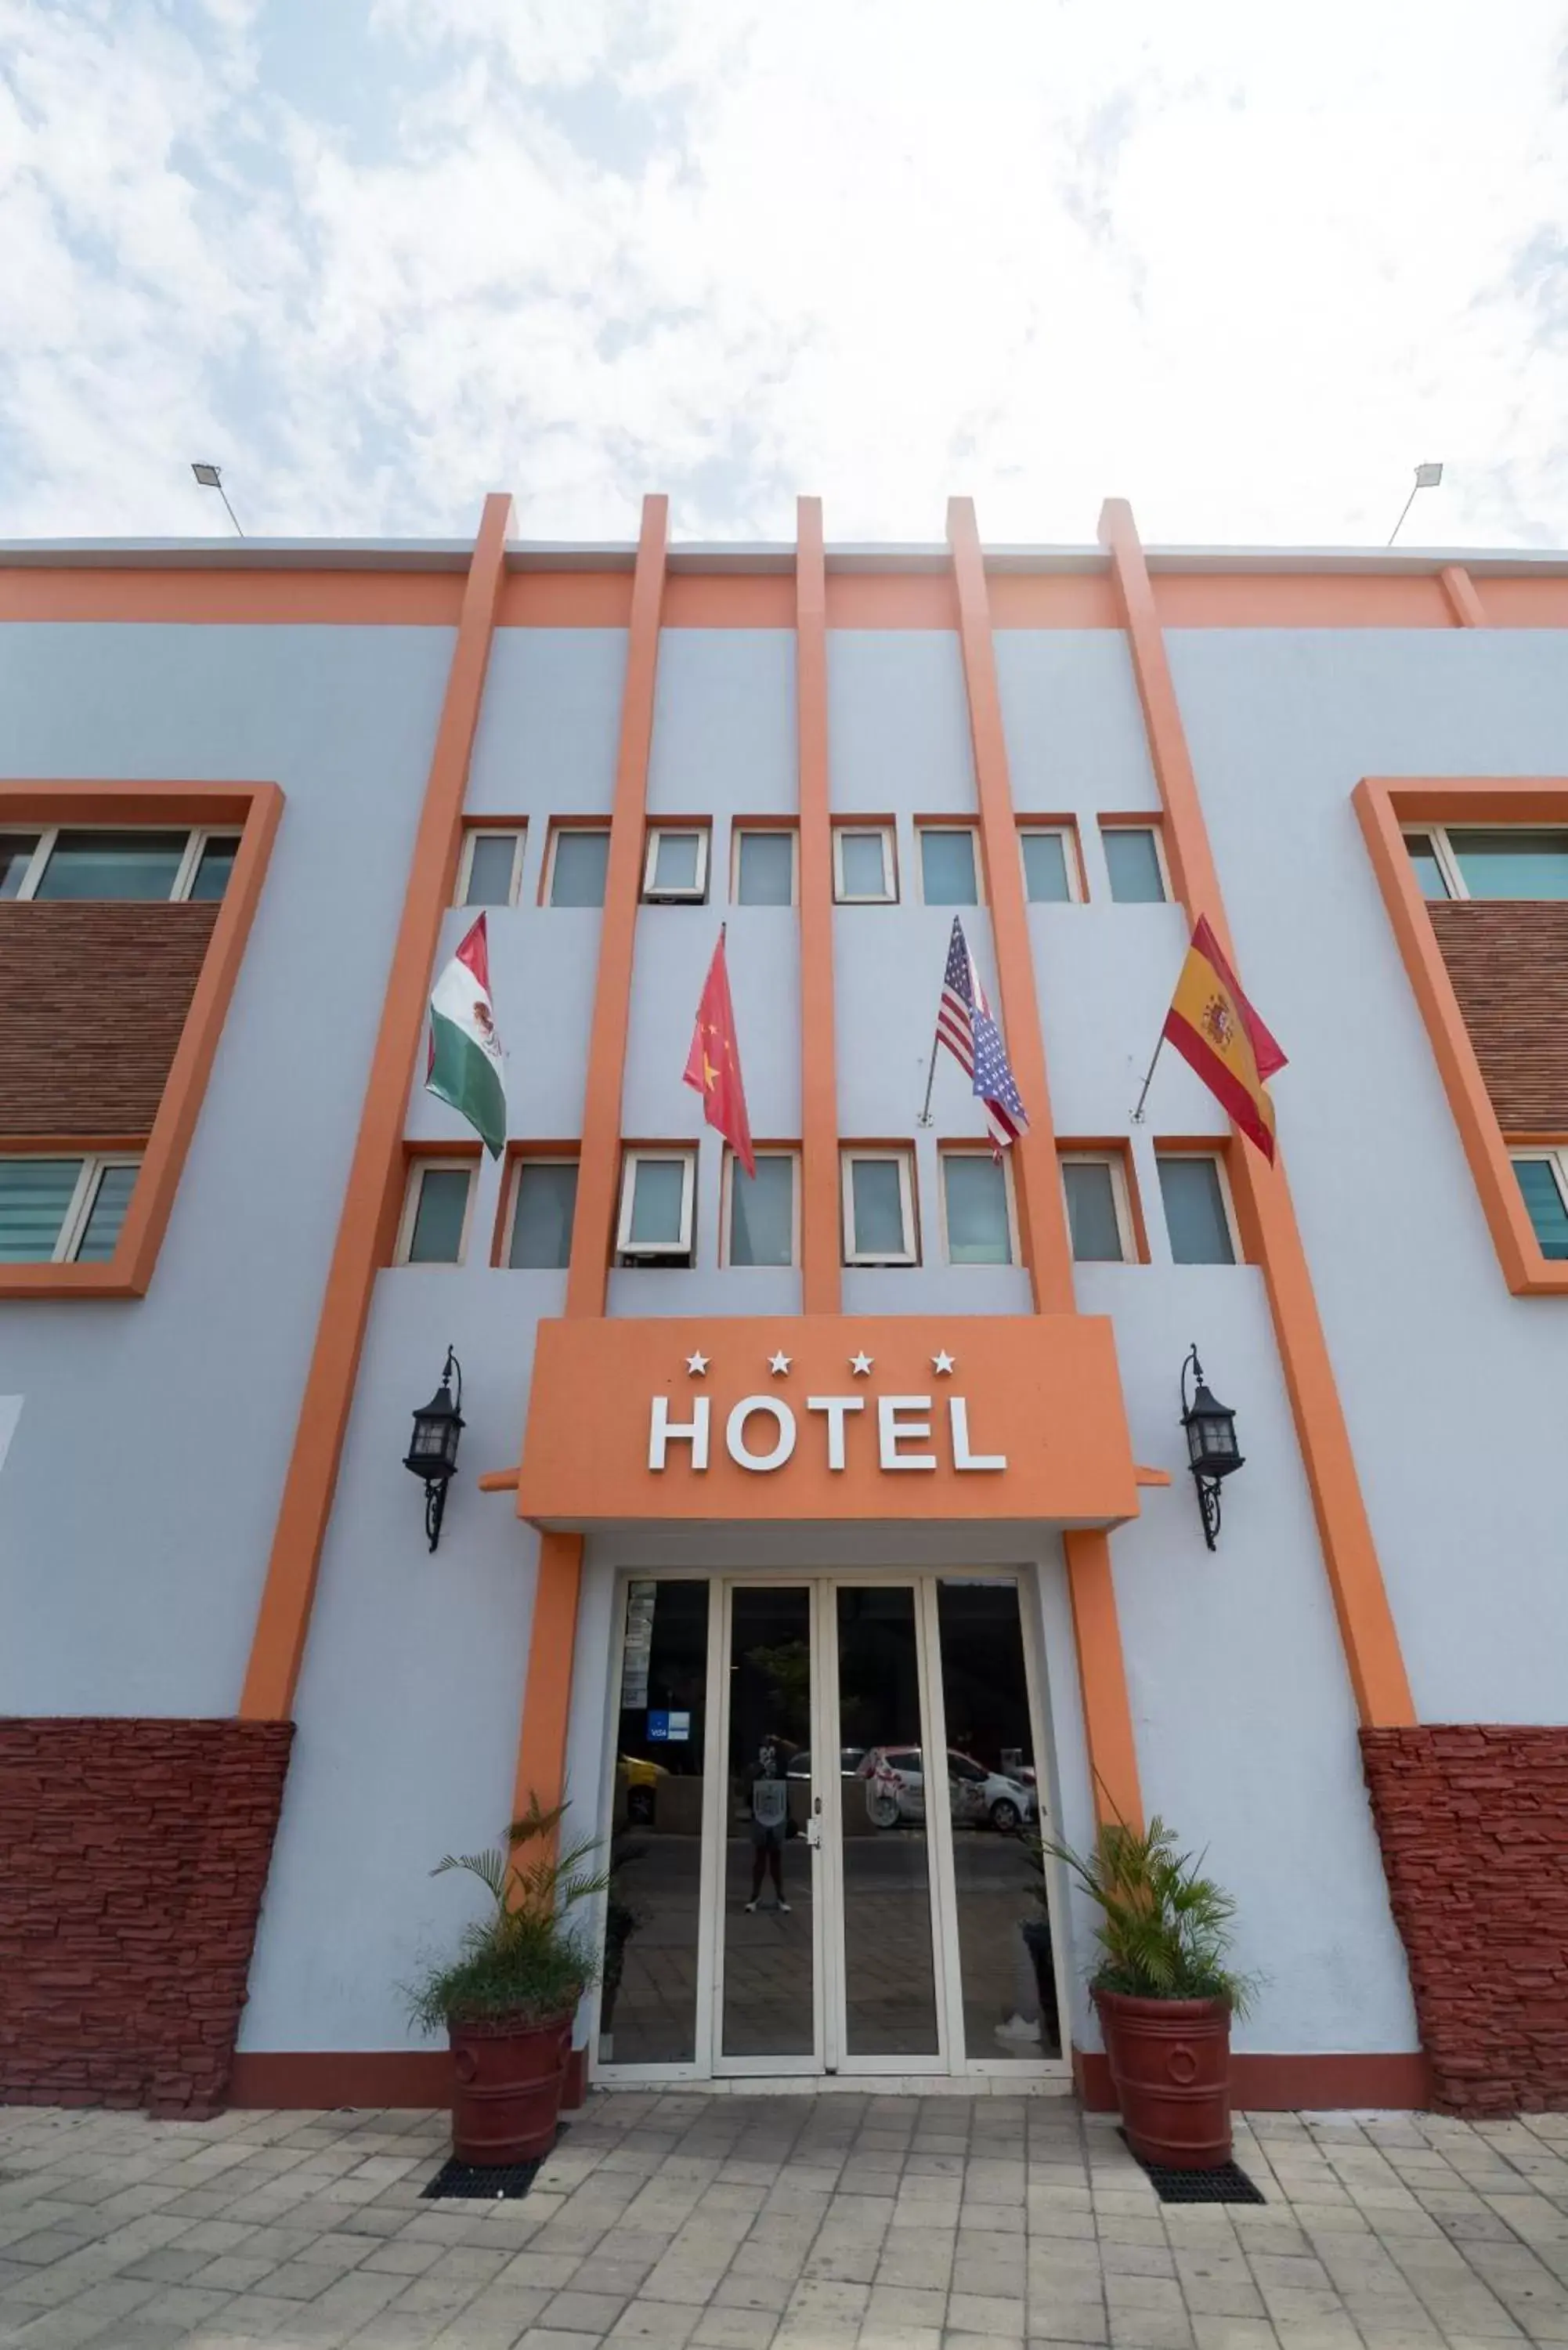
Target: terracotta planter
[507, 2080]
[1170, 2063]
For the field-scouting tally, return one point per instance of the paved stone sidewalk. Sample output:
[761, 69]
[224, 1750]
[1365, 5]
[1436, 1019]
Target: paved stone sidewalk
[838, 2222]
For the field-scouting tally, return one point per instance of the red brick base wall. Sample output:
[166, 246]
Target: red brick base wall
[1473, 1822]
[132, 1859]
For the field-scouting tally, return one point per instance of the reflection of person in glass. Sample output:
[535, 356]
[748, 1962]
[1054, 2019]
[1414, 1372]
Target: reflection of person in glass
[770, 1817]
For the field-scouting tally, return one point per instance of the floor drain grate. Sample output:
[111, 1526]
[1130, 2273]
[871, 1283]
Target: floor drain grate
[488, 2182]
[1225, 2183]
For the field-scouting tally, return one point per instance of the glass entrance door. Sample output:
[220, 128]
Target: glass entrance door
[826, 1808]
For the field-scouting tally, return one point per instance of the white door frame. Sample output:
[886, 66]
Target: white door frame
[829, 2058]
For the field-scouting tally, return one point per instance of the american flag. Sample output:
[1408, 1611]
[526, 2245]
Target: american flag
[965, 1026]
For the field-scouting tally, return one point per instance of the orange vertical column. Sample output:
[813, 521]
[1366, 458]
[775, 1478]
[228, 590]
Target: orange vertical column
[547, 1690]
[821, 1286]
[1463, 594]
[1367, 1628]
[1042, 1215]
[370, 1201]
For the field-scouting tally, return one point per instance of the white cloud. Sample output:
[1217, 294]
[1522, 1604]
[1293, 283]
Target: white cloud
[1245, 269]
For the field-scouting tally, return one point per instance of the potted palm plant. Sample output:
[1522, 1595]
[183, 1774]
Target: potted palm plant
[1164, 1992]
[508, 1998]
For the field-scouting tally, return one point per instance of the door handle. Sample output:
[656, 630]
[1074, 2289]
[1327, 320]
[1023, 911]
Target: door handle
[814, 1835]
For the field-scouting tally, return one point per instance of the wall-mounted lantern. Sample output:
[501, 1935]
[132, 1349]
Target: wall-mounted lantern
[1211, 1448]
[432, 1452]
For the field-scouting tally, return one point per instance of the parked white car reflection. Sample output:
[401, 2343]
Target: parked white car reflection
[896, 1791]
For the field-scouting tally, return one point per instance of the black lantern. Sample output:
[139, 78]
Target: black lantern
[1212, 1446]
[432, 1452]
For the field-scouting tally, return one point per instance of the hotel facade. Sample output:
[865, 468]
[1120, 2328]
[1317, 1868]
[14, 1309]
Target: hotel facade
[820, 1535]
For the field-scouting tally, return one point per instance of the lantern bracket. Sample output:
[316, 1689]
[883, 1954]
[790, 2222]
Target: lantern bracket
[436, 1469]
[1199, 1405]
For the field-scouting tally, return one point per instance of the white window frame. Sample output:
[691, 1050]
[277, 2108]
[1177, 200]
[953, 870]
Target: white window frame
[517, 833]
[196, 840]
[94, 1164]
[903, 1158]
[697, 895]
[752, 831]
[1441, 837]
[430, 1162]
[657, 1251]
[727, 1198]
[521, 1159]
[947, 1151]
[1140, 823]
[1121, 1198]
[936, 825]
[1217, 1161]
[548, 885]
[883, 832]
[1068, 834]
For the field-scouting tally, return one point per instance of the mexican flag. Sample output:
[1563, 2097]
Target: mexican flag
[465, 1065]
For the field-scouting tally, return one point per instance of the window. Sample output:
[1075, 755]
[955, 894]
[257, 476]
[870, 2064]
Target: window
[864, 870]
[435, 1213]
[1197, 1210]
[759, 1219]
[578, 861]
[544, 1202]
[879, 1208]
[1503, 861]
[1099, 1219]
[1134, 863]
[764, 868]
[491, 867]
[78, 862]
[1543, 1179]
[63, 1211]
[949, 874]
[977, 1208]
[656, 1189]
[1050, 865]
[675, 871]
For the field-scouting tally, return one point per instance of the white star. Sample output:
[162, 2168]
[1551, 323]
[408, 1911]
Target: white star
[861, 1365]
[778, 1364]
[942, 1364]
[695, 1365]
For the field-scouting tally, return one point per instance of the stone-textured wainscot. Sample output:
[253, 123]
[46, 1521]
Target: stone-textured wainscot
[1473, 1823]
[133, 1854]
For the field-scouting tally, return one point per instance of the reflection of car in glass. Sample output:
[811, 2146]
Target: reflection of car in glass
[896, 1791]
[849, 1761]
[640, 1779]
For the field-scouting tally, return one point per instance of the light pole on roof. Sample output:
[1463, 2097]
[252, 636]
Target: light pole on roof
[211, 478]
[1426, 478]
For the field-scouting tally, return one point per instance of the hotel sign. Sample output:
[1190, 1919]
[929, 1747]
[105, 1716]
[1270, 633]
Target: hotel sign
[825, 1418]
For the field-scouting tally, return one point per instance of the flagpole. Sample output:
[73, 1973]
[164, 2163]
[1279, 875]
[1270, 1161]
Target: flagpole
[925, 1117]
[1148, 1080]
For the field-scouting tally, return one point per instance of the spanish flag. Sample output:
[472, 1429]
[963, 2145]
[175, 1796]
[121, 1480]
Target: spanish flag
[1219, 1035]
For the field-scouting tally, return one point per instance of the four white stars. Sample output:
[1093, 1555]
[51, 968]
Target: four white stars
[942, 1363]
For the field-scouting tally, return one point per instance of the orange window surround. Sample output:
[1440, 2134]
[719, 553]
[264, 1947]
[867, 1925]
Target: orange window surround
[1385, 806]
[254, 808]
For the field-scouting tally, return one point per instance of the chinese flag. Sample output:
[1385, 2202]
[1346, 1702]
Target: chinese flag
[713, 1064]
[1219, 1035]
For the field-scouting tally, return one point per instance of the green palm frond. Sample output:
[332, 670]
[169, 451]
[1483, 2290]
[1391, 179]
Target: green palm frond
[488, 1866]
[1165, 1929]
[526, 1957]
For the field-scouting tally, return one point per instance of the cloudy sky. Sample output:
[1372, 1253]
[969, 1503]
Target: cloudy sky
[1244, 265]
